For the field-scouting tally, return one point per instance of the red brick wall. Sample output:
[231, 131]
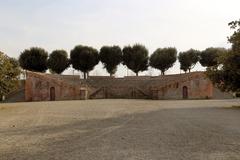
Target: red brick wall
[163, 87]
[37, 88]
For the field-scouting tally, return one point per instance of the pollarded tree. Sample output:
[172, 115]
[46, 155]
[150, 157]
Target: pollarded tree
[182, 58]
[84, 58]
[34, 59]
[188, 59]
[9, 74]
[208, 57]
[111, 57]
[58, 61]
[163, 59]
[135, 58]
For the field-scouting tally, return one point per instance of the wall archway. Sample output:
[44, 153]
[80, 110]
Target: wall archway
[52, 94]
[185, 92]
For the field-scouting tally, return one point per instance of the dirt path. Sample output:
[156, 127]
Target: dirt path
[120, 129]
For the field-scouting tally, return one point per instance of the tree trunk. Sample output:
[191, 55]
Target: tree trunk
[25, 74]
[137, 74]
[85, 75]
[189, 70]
[162, 73]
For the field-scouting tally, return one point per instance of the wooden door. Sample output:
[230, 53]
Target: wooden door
[185, 92]
[52, 94]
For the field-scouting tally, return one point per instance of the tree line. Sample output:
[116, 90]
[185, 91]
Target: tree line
[136, 58]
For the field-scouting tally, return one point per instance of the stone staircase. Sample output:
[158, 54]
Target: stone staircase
[17, 95]
[136, 87]
[116, 88]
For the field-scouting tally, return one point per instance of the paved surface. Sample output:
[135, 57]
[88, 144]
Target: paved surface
[120, 130]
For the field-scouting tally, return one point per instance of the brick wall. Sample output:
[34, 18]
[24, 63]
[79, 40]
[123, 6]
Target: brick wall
[38, 87]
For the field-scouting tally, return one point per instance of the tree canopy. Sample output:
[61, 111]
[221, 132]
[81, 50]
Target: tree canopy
[84, 58]
[58, 61]
[234, 39]
[9, 74]
[111, 57]
[188, 59]
[209, 56]
[227, 74]
[136, 58]
[163, 59]
[34, 59]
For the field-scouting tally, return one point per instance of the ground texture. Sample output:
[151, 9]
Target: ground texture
[120, 130]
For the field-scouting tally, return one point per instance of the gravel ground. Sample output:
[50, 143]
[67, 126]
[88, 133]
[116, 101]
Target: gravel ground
[120, 130]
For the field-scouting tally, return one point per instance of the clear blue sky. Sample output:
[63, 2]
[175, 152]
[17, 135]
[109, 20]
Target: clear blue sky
[62, 24]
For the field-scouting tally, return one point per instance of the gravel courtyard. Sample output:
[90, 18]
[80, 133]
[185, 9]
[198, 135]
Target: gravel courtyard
[120, 130]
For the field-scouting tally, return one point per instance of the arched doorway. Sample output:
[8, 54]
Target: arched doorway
[185, 92]
[52, 94]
